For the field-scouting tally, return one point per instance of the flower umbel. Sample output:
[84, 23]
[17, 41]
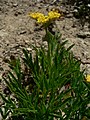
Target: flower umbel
[53, 15]
[88, 78]
[36, 15]
[43, 19]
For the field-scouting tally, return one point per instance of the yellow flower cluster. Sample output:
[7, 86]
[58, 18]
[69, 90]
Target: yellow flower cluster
[88, 78]
[53, 15]
[41, 18]
[36, 15]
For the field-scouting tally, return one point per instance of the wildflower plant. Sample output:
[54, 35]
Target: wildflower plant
[40, 89]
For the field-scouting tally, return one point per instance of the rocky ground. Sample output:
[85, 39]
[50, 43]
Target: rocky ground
[18, 30]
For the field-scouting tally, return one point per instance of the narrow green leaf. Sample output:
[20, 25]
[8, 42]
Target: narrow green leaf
[70, 47]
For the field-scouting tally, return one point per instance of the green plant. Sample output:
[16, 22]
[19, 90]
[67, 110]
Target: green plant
[39, 90]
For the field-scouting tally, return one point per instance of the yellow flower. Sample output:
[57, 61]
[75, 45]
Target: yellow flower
[88, 78]
[53, 15]
[36, 15]
[43, 19]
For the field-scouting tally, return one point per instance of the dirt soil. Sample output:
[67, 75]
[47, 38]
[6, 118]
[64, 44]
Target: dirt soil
[18, 30]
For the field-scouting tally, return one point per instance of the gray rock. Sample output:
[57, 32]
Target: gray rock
[69, 15]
